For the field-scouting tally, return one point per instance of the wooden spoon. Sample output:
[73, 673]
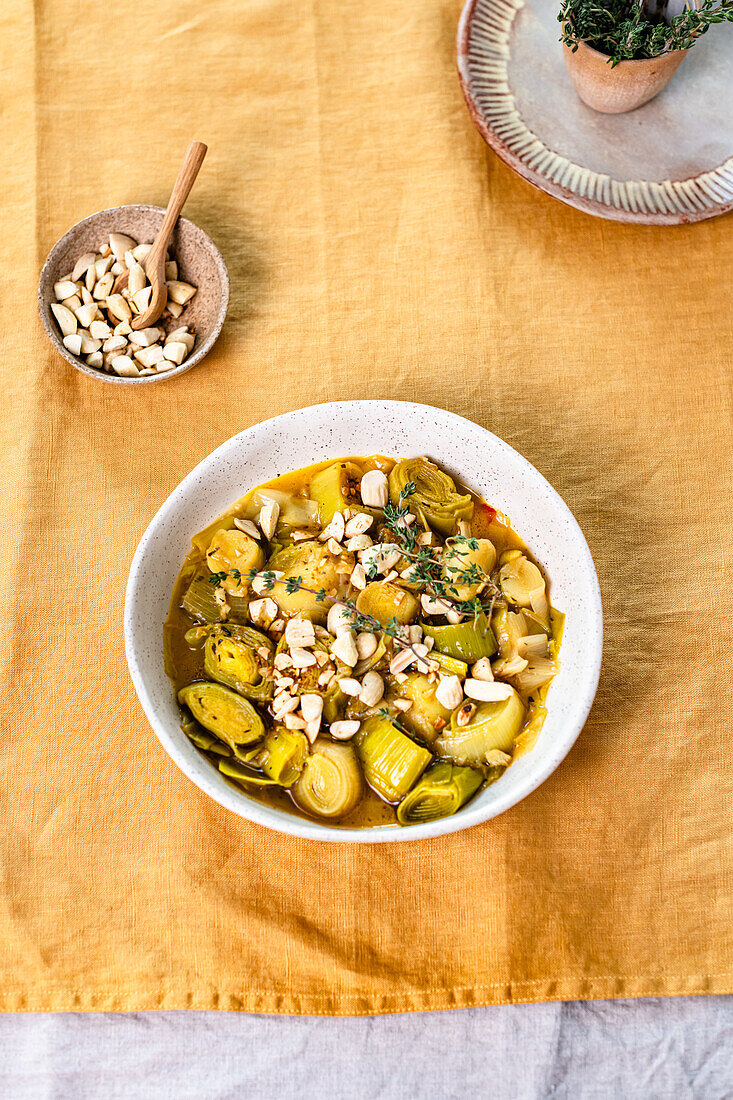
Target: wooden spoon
[154, 263]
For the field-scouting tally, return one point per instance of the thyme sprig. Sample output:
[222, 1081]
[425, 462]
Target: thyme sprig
[360, 621]
[636, 29]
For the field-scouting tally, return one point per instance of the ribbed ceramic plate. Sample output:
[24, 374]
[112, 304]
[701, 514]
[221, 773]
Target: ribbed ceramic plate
[667, 163]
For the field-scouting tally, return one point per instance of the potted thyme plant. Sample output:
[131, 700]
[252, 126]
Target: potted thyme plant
[621, 53]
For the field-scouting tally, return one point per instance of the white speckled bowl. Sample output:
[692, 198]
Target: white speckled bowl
[296, 439]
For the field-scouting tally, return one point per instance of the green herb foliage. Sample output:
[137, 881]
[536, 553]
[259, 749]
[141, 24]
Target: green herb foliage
[630, 30]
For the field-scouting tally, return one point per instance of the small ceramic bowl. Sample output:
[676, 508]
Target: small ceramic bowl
[401, 429]
[199, 263]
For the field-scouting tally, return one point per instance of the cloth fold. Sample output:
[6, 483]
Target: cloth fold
[376, 249]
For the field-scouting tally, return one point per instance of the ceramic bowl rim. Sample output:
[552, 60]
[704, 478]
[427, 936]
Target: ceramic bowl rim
[101, 376]
[295, 826]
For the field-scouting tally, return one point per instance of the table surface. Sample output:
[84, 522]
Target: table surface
[679, 1047]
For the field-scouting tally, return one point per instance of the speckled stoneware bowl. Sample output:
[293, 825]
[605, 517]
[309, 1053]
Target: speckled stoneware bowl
[199, 263]
[397, 428]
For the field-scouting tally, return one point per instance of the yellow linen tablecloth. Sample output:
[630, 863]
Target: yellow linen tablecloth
[376, 249]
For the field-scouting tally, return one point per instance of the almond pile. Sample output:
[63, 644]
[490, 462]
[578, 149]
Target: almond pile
[95, 321]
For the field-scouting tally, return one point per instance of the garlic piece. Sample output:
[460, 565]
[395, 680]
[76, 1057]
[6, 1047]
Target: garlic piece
[65, 319]
[82, 265]
[64, 289]
[118, 307]
[342, 731]
[100, 330]
[269, 512]
[140, 252]
[175, 352]
[339, 618]
[145, 337]
[171, 270]
[482, 669]
[487, 691]
[358, 542]
[123, 364]
[359, 524]
[72, 343]
[302, 658]
[245, 525]
[334, 530]
[374, 489]
[311, 707]
[345, 648]
[449, 692]
[179, 293]
[299, 632]
[149, 357]
[372, 689]
[366, 644]
[349, 686]
[96, 360]
[120, 243]
[263, 611]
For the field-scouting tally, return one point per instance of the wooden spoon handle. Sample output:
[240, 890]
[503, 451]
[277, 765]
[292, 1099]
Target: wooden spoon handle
[185, 180]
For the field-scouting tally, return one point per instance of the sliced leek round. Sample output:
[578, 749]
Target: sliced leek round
[233, 552]
[390, 760]
[519, 578]
[466, 567]
[334, 488]
[231, 658]
[224, 713]
[435, 501]
[330, 785]
[385, 602]
[442, 790]
[492, 726]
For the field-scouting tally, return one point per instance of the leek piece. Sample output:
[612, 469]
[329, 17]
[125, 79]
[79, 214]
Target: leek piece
[390, 760]
[224, 713]
[509, 627]
[425, 711]
[234, 551]
[385, 602]
[336, 487]
[462, 561]
[232, 769]
[441, 791]
[199, 600]
[316, 568]
[230, 658]
[202, 739]
[450, 665]
[436, 501]
[202, 540]
[492, 726]
[331, 784]
[518, 579]
[466, 641]
[294, 511]
[281, 756]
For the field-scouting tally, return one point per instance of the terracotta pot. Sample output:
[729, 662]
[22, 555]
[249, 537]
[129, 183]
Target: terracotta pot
[622, 87]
